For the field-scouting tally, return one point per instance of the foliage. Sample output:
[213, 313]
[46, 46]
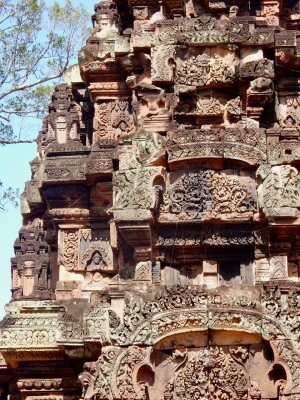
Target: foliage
[8, 195]
[37, 44]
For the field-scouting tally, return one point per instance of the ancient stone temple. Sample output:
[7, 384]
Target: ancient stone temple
[159, 253]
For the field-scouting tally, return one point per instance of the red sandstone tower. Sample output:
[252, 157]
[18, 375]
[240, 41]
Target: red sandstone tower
[158, 257]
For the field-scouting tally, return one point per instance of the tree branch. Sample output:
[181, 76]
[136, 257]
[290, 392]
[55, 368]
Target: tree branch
[2, 141]
[5, 119]
[17, 112]
[38, 82]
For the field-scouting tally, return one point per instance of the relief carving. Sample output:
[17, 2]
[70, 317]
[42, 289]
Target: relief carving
[70, 250]
[279, 191]
[278, 266]
[204, 191]
[112, 120]
[96, 376]
[95, 258]
[126, 367]
[134, 191]
[203, 70]
[163, 64]
[214, 372]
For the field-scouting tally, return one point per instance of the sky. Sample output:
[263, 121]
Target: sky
[15, 171]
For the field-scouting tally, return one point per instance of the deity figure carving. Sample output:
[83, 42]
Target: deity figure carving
[94, 269]
[96, 263]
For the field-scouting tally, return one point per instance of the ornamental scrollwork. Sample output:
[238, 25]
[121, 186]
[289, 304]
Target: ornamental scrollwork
[205, 191]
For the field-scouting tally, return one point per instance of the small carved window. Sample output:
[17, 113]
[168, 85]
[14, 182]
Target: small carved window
[230, 272]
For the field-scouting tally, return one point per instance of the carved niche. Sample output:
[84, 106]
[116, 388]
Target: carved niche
[31, 271]
[153, 108]
[86, 250]
[62, 123]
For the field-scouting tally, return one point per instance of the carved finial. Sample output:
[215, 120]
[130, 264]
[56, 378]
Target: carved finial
[106, 18]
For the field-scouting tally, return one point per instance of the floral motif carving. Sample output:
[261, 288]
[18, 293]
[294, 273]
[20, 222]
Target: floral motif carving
[282, 303]
[127, 364]
[70, 250]
[203, 30]
[69, 329]
[216, 371]
[149, 167]
[205, 191]
[178, 307]
[96, 325]
[28, 337]
[227, 235]
[97, 376]
[248, 145]
[279, 192]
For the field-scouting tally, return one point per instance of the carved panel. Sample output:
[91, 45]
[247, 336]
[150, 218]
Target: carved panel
[204, 191]
[112, 120]
[219, 371]
[208, 69]
[69, 249]
[278, 194]
[248, 145]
